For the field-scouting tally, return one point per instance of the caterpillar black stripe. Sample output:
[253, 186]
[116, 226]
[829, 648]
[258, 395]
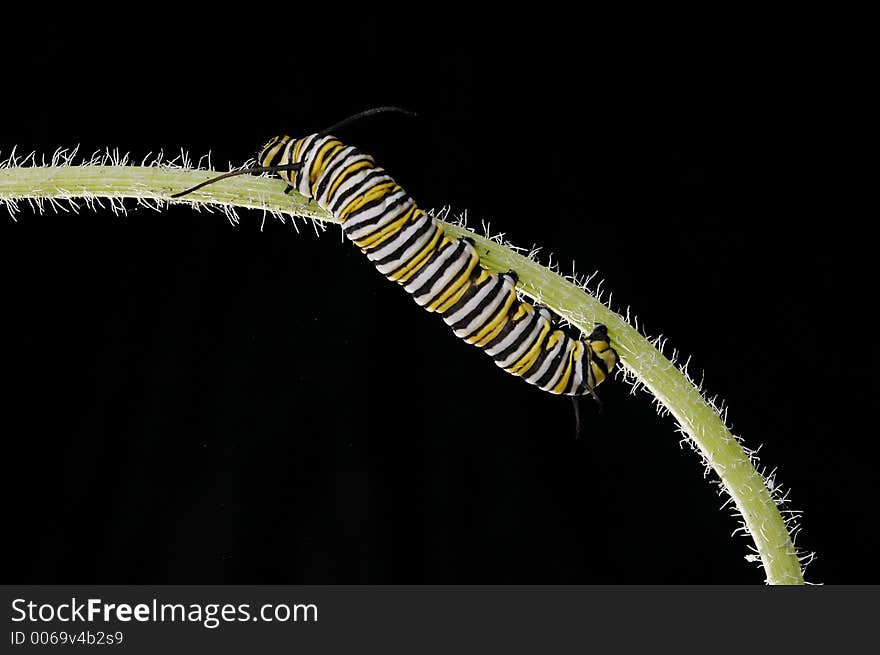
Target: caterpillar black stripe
[441, 273]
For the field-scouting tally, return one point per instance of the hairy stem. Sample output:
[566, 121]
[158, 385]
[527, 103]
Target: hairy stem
[671, 387]
[151, 183]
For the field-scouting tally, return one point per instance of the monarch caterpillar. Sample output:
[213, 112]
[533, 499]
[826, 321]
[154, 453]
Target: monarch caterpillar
[441, 273]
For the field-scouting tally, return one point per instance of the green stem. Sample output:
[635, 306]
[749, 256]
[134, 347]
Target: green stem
[643, 361]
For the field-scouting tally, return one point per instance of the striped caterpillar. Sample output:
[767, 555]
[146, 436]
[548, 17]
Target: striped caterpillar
[441, 273]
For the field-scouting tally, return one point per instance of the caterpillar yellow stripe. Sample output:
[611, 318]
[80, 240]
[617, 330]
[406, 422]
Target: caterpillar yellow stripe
[441, 273]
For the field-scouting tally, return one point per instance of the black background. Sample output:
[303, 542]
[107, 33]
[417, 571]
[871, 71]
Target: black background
[191, 401]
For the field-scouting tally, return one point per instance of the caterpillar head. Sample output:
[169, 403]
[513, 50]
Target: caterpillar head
[277, 155]
[272, 153]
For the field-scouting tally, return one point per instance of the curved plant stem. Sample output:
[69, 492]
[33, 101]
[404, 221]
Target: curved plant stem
[671, 387]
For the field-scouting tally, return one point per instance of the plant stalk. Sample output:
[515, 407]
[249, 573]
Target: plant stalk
[642, 360]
